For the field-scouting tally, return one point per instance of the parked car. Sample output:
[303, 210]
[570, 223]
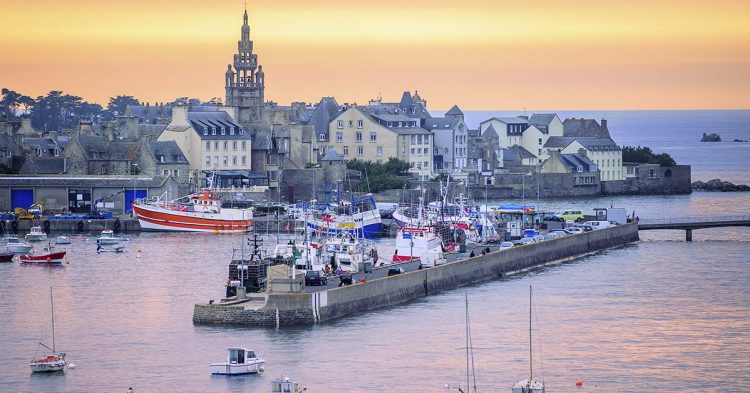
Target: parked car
[540, 238]
[554, 218]
[558, 233]
[505, 245]
[573, 230]
[598, 224]
[345, 279]
[314, 277]
[571, 215]
[587, 228]
[494, 240]
[527, 240]
[394, 270]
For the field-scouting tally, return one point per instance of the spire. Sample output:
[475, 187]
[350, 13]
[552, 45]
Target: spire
[244, 17]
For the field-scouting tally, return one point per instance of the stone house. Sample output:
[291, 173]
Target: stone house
[530, 133]
[605, 153]
[164, 158]
[585, 171]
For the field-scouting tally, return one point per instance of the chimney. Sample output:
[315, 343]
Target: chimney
[604, 124]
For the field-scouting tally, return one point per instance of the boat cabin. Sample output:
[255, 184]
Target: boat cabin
[238, 355]
[205, 203]
[285, 386]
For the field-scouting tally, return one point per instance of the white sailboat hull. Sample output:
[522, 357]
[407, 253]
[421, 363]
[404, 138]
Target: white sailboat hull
[48, 366]
[225, 368]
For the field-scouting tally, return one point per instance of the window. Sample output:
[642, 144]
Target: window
[208, 160]
[322, 137]
[351, 123]
[241, 131]
[359, 136]
[346, 150]
[231, 130]
[165, 172]
[234, 145]
[419, 151]
[104, 169]
[413, 139]
[373, 137]
[340, 124]
[380, 151]
[216, 160]
[226, 160]
[339, 137]
[419, 139]
[244, 145]
[161, 158]
[208, 146]
[412, 151]
[216, 145]
[419, 165]
[540, 152]
[427, 151]
[223, 130]
[213, 130]
[426, 165]
[244, 160]
[205, 130]
[176, 173]
[234, 160]
[226, 144]
[360, 123]
[360, 151]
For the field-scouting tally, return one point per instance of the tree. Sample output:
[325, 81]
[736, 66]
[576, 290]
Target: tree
[378, 177]
[58, 110]
[644, 155]
[12, 102]
[117, 105]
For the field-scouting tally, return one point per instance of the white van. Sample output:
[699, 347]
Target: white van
[597, 224]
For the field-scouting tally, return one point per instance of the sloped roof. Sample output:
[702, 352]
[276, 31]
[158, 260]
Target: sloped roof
[169, 150]
[218, 119]
[555, 142]
[331, 155]
[542, 119]
[440, 123]
[584, 128]
[326, 110]
[577, 159]
[598, 144]
[509, 120]
[455, 111]
[43, 165]
[490, 132]
[519, 151]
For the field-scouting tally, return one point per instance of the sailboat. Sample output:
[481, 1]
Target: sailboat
[55, 361]
[529, 385]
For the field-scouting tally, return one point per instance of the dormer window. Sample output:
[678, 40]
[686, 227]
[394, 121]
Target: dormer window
[161, 158]
[223, 130]
[434, 125]
[447, 126]
[579, 168]
[241, 131]
[322, 137]
[231, 130]
[213, 130]
[205, 130]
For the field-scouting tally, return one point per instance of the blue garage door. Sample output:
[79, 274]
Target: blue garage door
[21, 198]
[139, 194]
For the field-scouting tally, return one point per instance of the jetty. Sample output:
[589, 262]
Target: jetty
[689, 224]
[287, 303]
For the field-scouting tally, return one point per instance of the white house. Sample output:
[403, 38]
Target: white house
[603, 152]
[530, 133]
[451, 137]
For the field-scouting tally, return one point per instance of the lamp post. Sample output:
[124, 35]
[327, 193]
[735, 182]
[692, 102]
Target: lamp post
[133, 168]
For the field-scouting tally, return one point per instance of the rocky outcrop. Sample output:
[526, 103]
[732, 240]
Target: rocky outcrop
[718, 185]
[712, 137]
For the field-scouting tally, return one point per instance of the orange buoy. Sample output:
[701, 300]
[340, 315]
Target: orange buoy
[579, 383]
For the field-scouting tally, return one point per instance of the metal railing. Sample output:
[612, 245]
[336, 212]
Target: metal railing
[692, 220]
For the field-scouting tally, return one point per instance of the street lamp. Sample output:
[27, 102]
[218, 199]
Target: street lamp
[133, 169]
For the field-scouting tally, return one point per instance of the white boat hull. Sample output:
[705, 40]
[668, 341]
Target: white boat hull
[36, 238]
[48, 367]
[237, 369]
[25, 249]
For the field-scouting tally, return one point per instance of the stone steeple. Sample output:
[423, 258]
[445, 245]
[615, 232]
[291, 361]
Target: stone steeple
[244, 86]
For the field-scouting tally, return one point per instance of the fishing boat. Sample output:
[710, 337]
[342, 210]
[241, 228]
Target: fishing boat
[419, 243]
[529, 385]
[284, 385]
[349, 252]
[107, 237]
[62, 239]
[360, 217]
[112, 248]
[36, 234]
[240, 361]
[54, 362]
[48, 257]
[6, 256]
[202, 213]
[16, 245]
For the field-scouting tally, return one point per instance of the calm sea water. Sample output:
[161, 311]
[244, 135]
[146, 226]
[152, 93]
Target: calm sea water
[658, 315]
[675, 132]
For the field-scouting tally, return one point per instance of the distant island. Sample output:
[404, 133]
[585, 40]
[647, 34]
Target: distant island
[740, 140]
[712, 137]
[719, 185]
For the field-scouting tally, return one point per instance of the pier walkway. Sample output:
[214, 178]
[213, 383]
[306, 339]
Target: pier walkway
[688, 224]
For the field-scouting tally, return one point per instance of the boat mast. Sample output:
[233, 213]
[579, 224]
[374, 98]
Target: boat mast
[466, 294]
[52, 302]
[531, 364]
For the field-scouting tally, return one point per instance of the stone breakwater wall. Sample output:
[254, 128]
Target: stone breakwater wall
[79, 225]
[309, 308]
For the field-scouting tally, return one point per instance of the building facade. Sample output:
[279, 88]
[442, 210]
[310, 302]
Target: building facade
[245, 80]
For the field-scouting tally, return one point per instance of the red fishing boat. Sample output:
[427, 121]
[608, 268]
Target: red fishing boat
[49, 258]
[203, 213]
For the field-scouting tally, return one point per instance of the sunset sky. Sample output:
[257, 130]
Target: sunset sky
[479, 54]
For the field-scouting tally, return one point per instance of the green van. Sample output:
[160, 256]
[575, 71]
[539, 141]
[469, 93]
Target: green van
[571, 215]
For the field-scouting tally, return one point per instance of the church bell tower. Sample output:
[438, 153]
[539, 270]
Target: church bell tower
[245, 80]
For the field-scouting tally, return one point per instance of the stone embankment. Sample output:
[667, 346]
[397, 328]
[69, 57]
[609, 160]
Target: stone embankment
[79, 225]
[718, 185]
[280, 309]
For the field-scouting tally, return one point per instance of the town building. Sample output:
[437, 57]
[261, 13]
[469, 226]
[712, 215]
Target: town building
[585, 171]
[530, 133]
[604, 152]
[451, 142]
[245, 80]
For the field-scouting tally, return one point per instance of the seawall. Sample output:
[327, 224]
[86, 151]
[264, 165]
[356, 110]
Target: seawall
[309, 308]
[80, 225]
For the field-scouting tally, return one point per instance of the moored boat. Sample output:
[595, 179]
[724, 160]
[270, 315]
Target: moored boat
[529, 385]
[36, 234]
[360, 217]
[47, 258]
[16, 245]
[419, 243]
[6, 256]
[54, 362]
[240, 361]
[62, 239]
[203, 213]
[284, 385]
[107, 237]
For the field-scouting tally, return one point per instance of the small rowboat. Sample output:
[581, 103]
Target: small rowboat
[52, 258]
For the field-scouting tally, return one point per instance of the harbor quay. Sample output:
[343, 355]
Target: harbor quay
[289, 306]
